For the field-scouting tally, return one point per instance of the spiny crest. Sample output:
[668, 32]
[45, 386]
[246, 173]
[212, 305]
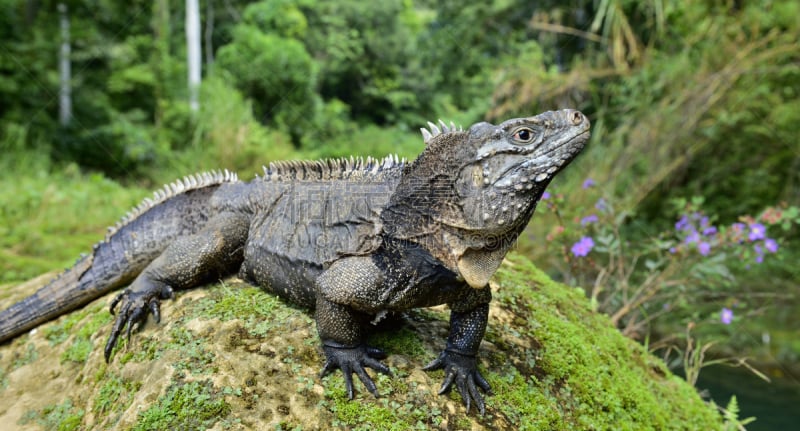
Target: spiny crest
[329, 169]
[435, 130]
[185, 184]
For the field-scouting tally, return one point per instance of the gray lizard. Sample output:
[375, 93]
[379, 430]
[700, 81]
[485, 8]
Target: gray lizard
[351, 239]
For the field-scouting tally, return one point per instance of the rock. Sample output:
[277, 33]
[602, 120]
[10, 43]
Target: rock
[232, 357]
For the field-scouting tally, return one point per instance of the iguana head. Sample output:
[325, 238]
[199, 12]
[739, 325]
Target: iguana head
[467, 197]
[513, 163]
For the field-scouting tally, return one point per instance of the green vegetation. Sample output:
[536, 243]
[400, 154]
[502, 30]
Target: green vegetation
[114, 394]
[579, 369]
[61, 417]
[188, 405]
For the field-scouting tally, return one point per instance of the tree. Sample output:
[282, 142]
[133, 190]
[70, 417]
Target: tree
[65, 92]
[193, 52]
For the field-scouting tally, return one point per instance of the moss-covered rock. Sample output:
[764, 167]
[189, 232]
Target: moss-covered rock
[230, 356]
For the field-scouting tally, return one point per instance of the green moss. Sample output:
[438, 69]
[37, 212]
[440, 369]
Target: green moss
[29, 356]
[114, 395]
[57, 333]
[195, 358]
[78, 351]
[523, 402]
[60, 417]
[260, 311]
[369, 413]
[81, 345]
[192, 405]
[581, 373]
[402, 341]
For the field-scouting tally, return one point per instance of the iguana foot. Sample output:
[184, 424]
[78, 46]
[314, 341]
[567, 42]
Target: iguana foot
[353, 360]
[463, 370]
[134, 309]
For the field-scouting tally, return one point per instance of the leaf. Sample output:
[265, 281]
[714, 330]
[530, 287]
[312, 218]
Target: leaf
[652, 265]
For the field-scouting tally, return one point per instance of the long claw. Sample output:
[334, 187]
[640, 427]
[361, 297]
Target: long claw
[327, 368]
[461, 384]
[348, 380]
[377, 366]
[155, 309]
[167, 292]
[375, 353]
[116, 300]
[354, 360]
[135, 304]
[462, 370]
[483, 384]
[366, 380]
[112, 339]
[448, 382]
[128, 333]
[475, 395]
[436, 364]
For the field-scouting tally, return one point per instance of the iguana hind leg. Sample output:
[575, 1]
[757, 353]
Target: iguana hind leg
[214, 251]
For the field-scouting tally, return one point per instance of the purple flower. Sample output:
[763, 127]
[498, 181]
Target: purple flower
[601, 205]
[711, 230]
[683, 223]
[726, 316]
[692, 237]
[588, 183]
[757, 232]
[583, 246]
[759, 253]
[545, 195]
[771, 245]
[591, 218]
[704, 248]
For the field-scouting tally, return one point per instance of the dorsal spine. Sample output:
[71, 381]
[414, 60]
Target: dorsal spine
[182, 185]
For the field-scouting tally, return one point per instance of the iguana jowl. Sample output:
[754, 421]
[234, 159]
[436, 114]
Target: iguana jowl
[351, 239]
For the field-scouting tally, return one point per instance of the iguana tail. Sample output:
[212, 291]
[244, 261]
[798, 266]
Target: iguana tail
[178, 209]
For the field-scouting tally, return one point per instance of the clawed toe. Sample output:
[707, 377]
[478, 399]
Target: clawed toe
[461, 370]
[354, 360]
[134, 307]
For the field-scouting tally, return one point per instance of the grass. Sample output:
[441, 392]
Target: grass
[49, 217]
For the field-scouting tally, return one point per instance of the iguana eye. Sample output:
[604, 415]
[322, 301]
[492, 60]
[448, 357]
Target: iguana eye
[523, 136]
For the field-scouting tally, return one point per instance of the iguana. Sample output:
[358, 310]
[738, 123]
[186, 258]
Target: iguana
[351, 239]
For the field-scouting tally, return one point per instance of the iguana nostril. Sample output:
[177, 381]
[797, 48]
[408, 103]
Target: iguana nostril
[577, 117]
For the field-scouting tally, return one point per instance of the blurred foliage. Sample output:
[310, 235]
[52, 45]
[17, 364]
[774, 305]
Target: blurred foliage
[686, 99]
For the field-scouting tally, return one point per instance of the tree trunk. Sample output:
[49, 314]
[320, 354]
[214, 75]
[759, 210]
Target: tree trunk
[193, 51]
[64, 69]
[209, 33]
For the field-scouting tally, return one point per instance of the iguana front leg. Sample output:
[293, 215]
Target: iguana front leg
[459, 358]
[340, 330]
[340, 325]
[215, 250]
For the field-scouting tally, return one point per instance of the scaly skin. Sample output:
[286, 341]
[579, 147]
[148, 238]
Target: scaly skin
[352, 239]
